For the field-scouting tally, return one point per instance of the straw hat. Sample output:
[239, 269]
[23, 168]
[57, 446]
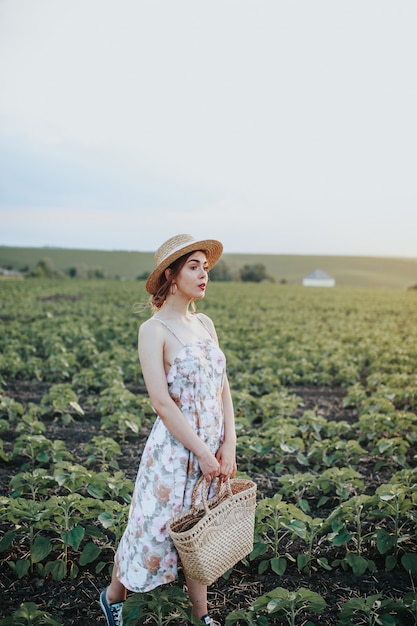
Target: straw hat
[176, 247]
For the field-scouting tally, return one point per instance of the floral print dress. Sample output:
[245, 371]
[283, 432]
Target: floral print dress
[168, 471]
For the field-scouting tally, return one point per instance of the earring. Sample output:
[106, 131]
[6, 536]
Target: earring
[173, 289]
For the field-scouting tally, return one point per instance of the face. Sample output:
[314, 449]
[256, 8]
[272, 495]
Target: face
[193, 276]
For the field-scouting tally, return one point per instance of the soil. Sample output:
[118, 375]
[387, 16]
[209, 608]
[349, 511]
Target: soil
[75, 602]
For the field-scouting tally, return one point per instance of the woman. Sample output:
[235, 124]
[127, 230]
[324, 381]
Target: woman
[184, 372]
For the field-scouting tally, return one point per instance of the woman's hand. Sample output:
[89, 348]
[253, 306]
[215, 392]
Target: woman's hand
[226, 456]
[209, 465]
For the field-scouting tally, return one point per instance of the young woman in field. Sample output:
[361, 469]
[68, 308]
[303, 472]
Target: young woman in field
[184, 372]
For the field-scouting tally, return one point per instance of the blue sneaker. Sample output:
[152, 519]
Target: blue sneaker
[113, 612]
[207, 620]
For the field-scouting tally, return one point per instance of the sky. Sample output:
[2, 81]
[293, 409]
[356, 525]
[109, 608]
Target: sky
[276, 126]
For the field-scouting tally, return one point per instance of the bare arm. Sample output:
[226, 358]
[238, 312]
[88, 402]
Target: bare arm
[226, 454]
[151, 351]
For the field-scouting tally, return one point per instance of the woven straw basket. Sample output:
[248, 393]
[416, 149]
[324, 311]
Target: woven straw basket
[212, 537]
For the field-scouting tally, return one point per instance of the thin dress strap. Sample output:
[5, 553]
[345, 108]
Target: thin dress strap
[170, 330]
[204, 324]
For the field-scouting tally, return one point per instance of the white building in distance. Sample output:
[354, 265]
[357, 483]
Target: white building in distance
[318, 278]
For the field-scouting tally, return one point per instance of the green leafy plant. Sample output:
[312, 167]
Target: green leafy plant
[409, 563]
[393, 451]
[32, 519]
[76, 478]
[373, 426]
[61, 402]
[122, 422]
[28, 614]
[59, 367]
[160, 607]
[56, 525]
[39, 450]
[3, 455]
[277, 403]
[296, 485]
[104, 450]
[339, 483]
[395, 503]
[407, 609]
[10, 409]
[114, 518]
[335, 452]
[267, 536]
[307, 528]
[116, 398]
[34, 483]
[112, 486]
[72, 476]
[30, 424]
[347, 523]
[67, 511]
[288, 605]
[86, 380]
[370, 611]
[251, 448]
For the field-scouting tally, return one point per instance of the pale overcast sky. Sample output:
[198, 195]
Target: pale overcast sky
[276, 126]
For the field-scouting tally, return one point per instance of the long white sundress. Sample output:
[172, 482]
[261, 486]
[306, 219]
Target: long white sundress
[168, 471]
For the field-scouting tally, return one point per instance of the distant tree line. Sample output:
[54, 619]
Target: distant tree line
[45, 269]
[255, 273]
[221, 272]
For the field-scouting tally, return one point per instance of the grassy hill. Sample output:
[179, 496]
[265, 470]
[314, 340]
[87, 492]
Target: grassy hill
[395, 273]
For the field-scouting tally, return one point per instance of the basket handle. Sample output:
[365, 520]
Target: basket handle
[205, 486]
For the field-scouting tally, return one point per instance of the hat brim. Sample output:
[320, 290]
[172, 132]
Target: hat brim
[212, 248]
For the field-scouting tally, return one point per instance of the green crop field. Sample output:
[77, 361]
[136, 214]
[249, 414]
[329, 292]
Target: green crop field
[395, 273]
[324, 385]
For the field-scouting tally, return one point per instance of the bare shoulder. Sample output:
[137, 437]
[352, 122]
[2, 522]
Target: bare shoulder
[206, 319]
[151, 343]
[208, 323]
[150, 329]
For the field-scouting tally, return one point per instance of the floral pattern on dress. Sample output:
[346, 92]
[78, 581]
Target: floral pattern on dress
[168, 472]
